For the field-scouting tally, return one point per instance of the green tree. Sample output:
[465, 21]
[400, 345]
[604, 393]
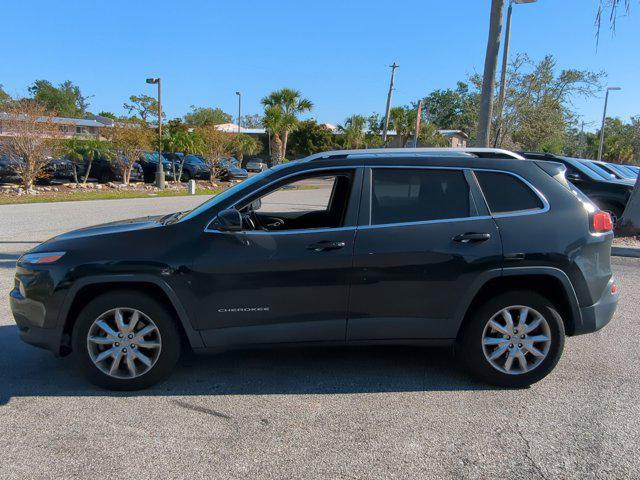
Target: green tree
[310, 137]
[178, 138]
[276, 122]
[454, 109]
[129, 140]
[245, 145]
[200, 116]
[86, 151]
[291, 104]
[216, 146]
[145, 106]
[65, 100]
[403, 121]
[251, 121]
[430, 137]
[4, 96]
[110, 115]
[353, 132]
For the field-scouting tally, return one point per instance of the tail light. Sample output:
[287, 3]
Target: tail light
[601, 222]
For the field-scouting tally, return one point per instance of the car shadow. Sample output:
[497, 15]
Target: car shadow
[28, 371]
[8, 260]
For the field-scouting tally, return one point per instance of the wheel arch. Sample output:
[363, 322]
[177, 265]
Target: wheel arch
[552, 283]
[86, 289]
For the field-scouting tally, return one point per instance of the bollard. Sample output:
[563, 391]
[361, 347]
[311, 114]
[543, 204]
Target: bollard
[191, 187]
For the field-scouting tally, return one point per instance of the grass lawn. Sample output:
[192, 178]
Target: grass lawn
[75, 195]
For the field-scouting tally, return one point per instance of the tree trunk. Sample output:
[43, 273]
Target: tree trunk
[276, 149]
[489, 75]
[75, 172]
[285, 140]
[630, 222]
[86, 174]
[181, 169]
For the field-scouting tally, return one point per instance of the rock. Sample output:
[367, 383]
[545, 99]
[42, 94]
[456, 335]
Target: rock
[98, 186]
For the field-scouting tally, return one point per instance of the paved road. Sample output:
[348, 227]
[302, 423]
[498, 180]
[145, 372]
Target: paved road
[323, 413]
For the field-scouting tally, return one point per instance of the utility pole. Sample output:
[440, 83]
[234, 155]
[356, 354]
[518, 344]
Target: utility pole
[489, 74]
[417, 133]
[604, 119]
[160, 169]
[388, 109]
[239, 109]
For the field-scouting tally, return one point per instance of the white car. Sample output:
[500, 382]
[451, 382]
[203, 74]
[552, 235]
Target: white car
[255, 165]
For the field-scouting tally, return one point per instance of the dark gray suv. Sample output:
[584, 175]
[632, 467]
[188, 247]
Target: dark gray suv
[499, 257]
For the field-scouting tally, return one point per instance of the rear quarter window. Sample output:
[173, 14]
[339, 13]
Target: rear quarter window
[506, 194]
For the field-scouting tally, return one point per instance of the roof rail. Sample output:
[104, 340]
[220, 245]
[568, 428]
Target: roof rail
[429, 151]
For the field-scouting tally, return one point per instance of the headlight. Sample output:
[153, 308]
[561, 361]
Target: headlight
[41, 258]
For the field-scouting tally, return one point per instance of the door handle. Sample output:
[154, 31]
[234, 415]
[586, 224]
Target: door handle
[472, 237]
[325, 245]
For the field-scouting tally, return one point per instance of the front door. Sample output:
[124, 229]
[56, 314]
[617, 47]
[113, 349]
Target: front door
[286, 276]
[425, 241]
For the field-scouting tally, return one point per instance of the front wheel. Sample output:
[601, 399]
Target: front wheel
[513, 340]
[125, 341]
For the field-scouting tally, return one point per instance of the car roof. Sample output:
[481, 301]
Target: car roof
[468, 152]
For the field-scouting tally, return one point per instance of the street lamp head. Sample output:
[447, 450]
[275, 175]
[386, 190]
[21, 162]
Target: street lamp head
[614, 88]
[153, 80]
[238, 93]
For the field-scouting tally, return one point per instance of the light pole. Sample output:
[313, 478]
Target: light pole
[160, 169]
[239, 108]
[604, 118]
[505, 58]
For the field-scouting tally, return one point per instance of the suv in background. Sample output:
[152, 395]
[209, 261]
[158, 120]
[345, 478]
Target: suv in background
[501, 258]
[609, 194]
[149, 163]
[193, 167]
[105, 170]
[230, 170]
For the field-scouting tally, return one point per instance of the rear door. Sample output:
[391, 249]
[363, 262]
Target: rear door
[424, 237]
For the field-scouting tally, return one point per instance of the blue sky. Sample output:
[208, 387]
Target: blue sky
[335, 52]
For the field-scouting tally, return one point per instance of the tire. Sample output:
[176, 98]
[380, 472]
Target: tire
[161, 358]
[475, 354]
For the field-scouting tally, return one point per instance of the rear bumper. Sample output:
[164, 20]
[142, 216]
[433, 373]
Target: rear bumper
[600, 313]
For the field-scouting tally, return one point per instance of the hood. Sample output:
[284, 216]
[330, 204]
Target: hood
[111, 228]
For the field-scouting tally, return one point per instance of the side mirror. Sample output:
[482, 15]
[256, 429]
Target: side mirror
[256, 204]
[228, 220]
[573, 177]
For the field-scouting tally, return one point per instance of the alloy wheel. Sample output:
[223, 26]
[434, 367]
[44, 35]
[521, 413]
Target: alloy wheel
[124, 343]
[516, 340]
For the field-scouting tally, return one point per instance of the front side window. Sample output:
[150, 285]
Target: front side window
[308, 202]
[506, 194]
[416, 195]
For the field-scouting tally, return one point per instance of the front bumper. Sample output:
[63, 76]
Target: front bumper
[30, 317]
[600, 313]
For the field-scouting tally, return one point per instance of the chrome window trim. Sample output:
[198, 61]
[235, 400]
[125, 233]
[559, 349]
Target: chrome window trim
[425, 222]
[301, 172]
[543, 199]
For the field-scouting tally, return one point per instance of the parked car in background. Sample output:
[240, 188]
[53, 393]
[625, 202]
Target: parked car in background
[149, 163]
[620, 171]
[7, 170]
[193, 168]
[501, 258]
[255, 165]
[61, 169]
[608, 193]
[230, 170]
[106, 170]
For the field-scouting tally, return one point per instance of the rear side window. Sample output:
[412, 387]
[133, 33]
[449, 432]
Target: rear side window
[415, 195]
[506, 193]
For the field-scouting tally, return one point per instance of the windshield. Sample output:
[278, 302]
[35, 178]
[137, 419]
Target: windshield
[229, 192]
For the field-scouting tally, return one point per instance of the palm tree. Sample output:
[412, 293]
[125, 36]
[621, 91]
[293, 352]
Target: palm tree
[243, 145]
[291, 103]
[276, 121]
[353, 131]
[85, 151]
[403, 120]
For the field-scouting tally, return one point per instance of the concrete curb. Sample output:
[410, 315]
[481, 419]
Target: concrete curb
[631, 252]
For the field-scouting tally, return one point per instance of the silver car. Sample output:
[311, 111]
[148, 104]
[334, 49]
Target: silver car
[255, 165]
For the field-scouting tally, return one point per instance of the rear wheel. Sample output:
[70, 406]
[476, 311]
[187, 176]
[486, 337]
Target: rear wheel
[125, 341]
[513, 340]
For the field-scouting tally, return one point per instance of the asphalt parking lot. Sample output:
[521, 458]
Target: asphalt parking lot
[319, 413]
